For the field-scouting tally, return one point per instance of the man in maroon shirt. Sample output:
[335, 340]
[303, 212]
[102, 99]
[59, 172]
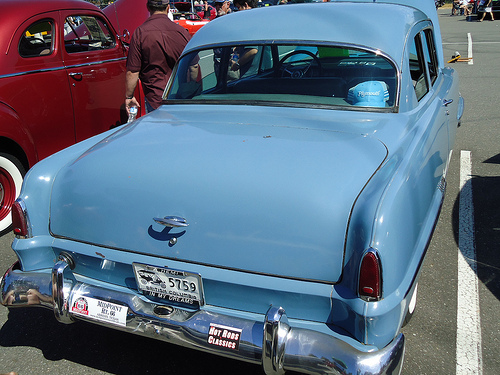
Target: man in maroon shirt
[154, 49]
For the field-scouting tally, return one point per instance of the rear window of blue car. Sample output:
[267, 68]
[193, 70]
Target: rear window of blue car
[295, 74]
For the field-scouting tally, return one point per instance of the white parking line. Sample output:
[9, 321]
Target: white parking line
[469, 352]
[469, 51]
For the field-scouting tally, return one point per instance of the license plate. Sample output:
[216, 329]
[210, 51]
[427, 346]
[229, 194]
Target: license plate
[176, 286]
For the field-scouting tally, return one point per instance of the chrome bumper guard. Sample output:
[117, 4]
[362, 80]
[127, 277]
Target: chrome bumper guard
[273, 343]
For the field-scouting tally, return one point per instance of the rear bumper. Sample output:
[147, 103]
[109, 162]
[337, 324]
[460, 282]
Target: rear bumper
[272, 342]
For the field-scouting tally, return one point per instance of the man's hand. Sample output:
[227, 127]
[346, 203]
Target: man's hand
[129, 103]
[131, 79]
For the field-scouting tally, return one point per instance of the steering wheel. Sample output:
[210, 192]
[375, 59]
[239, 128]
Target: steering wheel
[297, 72]
[36, 41]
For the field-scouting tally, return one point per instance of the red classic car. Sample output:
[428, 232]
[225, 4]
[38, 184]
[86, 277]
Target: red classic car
[62, 79]
[201, 12]
[184, 15]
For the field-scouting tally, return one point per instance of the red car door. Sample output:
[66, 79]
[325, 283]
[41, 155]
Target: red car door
[38, 88]
[95, 63]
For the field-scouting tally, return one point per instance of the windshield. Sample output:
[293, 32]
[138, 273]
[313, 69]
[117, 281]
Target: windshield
[299, 74]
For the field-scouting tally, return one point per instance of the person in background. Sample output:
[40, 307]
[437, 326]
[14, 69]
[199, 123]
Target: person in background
[465, 7]
[487, 9]
[222, 7]
[206, 10]
[468, 7]
[155, 47]
[243, 56]
[245, 4]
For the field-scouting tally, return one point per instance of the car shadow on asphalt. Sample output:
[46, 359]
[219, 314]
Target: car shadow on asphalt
[108, 350]
[486, 201]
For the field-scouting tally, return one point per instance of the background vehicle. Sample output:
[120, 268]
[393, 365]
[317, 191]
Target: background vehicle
[185, 16]
[62, 80]
[200, 11]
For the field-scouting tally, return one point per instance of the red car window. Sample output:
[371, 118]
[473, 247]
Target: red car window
[86, 33]
[37, 39]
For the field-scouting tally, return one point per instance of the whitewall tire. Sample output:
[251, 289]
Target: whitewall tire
[11, 179]
[411, 306]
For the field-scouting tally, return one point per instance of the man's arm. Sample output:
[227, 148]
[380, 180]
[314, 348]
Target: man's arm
[131, 79]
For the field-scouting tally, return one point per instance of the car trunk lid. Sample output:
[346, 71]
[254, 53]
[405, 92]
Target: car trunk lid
[272, 199]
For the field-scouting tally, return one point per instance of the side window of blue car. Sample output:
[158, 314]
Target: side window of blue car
[429, 50]
[423, 68]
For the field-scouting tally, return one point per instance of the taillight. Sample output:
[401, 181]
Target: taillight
[370, 277]
[19, 220]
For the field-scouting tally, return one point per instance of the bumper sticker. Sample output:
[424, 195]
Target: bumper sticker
[100, 310]
[224, 337]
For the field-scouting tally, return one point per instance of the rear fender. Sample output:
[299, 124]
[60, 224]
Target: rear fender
[15, 137]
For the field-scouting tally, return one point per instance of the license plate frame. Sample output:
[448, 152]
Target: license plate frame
[168, 284]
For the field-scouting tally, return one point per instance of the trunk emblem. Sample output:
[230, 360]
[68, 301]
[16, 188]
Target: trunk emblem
[172, 221]
[169, 222]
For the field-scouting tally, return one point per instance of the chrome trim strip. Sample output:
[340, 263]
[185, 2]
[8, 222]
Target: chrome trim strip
[59, 68]
[278, 348]
[95, 63]
[31, 72]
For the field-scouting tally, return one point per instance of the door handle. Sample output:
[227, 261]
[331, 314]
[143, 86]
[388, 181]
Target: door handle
[76, 76]
[446, 102]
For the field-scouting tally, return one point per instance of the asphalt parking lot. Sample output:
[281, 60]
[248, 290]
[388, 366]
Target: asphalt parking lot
[442, 338]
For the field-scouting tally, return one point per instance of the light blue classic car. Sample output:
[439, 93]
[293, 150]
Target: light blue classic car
[276, 209]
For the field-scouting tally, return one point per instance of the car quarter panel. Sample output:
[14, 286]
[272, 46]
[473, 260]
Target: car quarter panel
[407, 211]
[424, 152]
[37, 186]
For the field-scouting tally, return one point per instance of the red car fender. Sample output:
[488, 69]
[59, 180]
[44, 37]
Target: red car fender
[17, 134]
